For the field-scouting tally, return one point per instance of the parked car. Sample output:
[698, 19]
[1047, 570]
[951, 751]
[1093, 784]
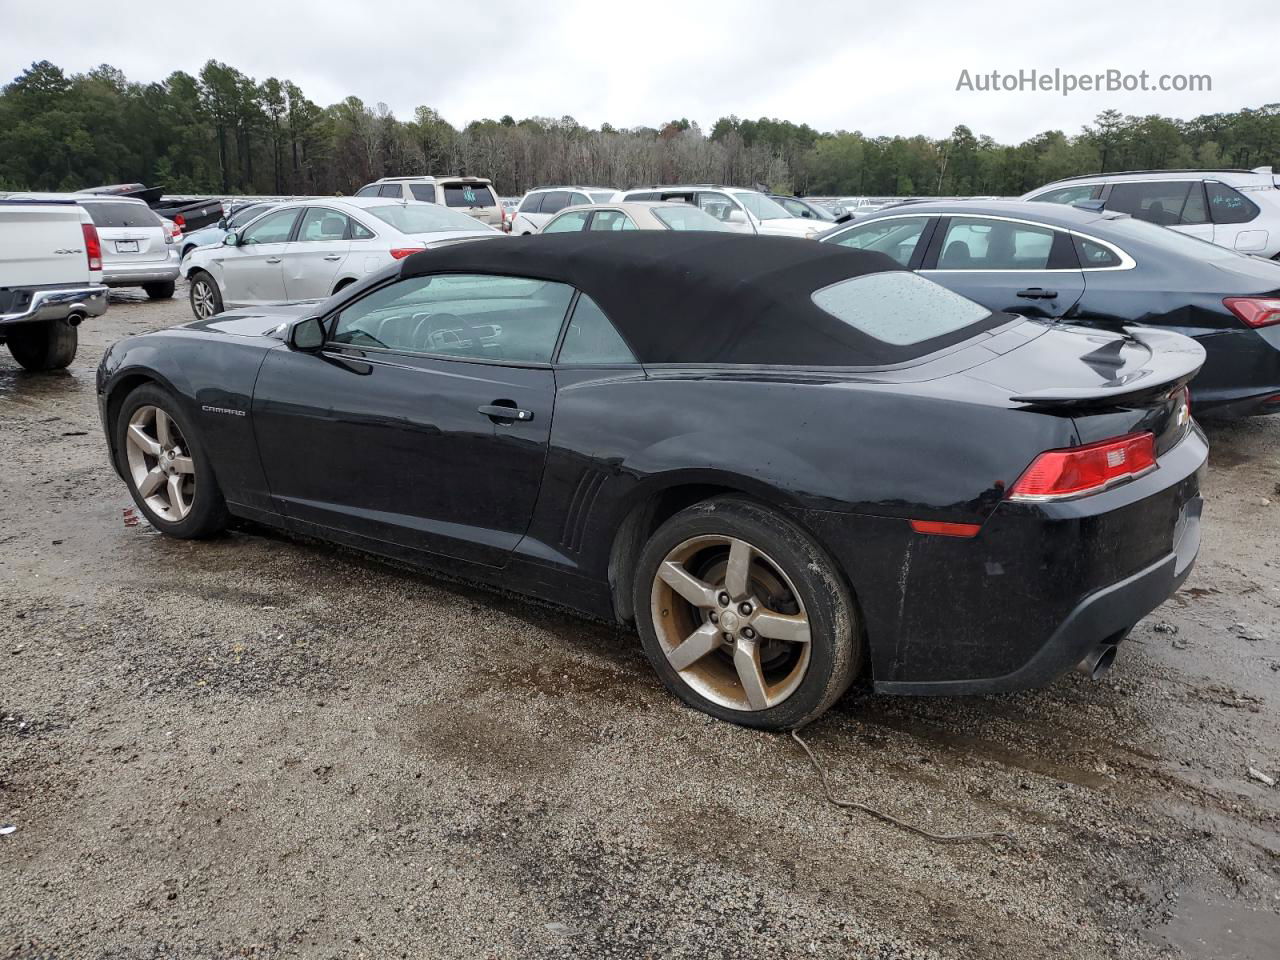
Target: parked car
[1104, 270]
[785, 462]
[187, 213]
[238, 217]
[1237, 209]
[745, 211]
[798, 207]
[596, 217]
[539, 205]
[50, 279]
[138, 250]
[309, 249]
[473, 196]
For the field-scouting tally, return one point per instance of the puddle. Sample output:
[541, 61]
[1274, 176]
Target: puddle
[1205, 927]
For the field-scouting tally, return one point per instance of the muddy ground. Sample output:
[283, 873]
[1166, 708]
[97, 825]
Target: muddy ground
[260, 746]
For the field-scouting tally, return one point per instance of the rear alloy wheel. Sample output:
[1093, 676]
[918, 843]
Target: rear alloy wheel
[159, 291]
[46, 345]
[744, 616]
[206, 301]
[165, 467]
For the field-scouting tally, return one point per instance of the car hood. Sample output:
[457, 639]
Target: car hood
[260, 322]
[792, 227]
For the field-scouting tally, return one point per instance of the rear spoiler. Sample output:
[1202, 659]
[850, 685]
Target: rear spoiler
[1171, 362]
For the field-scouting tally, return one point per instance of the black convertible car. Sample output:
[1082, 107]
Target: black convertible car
[787, 463]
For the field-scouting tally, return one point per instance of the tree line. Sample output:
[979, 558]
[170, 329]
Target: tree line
[223, 132]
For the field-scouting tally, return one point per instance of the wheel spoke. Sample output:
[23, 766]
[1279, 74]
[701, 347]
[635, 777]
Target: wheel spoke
[163, 434]
[138, 438]
[792, 627]
[680, 580]
[184, 465]
[177, 502]
[737, 575]
[696, 646]
[152, 482]
[746, 660]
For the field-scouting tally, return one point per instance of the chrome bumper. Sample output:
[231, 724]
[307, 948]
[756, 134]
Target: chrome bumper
[156, 271]
[58, 304]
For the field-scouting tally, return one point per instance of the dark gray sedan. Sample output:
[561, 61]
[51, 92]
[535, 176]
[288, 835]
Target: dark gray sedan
[1104, 269]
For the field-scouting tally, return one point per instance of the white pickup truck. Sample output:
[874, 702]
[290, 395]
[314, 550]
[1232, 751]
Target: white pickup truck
[50, 280]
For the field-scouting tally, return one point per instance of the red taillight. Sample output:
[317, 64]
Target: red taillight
[1255, 311]
[92, 246]
[180, 221]
[399, 253]
[938, 528]
[1077, 471]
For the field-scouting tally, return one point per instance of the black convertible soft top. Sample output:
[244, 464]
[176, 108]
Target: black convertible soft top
[700, 297]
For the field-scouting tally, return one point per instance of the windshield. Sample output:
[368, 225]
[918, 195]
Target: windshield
[468, 195]
[761, 206]
[424, 218]
[685, 217]
[1170, 240]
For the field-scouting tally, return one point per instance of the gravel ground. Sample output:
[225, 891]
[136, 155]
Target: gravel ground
[259, 746]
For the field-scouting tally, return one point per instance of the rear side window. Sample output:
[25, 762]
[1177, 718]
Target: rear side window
[577, 198]
[685, 217]
[899, 308]
[611, 220]
[390, 190]
[531, 203]
[554, 201]
[319, 224]
[977, 244]
[426, 192]
[1228, 205]
[468, 195]
[591, 338]
[1162, 202]
[120, 214]
[370, 191]
[644, 196]
[1094, 256]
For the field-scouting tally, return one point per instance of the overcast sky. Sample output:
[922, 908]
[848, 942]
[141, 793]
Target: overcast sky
[882, 68]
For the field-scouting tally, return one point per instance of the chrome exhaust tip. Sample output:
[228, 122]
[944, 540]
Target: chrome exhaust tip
[74, 320]
[1098, 661]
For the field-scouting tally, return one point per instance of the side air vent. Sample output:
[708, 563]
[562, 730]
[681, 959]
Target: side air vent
[575, 520]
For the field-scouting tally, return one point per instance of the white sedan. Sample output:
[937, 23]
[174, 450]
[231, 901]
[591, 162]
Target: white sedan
[310, 249]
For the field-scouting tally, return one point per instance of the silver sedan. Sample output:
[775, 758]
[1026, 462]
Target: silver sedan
[310, 249]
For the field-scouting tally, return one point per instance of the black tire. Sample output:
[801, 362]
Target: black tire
[46, 345]
[835, 645]
[201, 281]
[208, 515]
[159, 291]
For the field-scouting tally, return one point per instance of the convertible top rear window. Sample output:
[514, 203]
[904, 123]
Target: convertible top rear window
[899, 308]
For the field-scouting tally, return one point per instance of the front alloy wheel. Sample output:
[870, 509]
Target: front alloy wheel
[204, 298]
[730, 623]
[160, 463]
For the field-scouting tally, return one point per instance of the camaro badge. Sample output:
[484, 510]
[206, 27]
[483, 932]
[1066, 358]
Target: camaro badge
[227, 410]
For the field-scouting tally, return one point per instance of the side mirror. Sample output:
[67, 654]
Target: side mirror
[737, 216]
[222, 223]
[230, 240]
[307, 335]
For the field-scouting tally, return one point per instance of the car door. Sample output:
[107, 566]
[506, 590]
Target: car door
[421, 426]
[314, 256]
[252, 270]
[1006, 265]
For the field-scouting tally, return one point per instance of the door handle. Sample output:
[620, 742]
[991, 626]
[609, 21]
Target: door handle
[334, 256]
[273, 259]
[509, 412]
[1038, 293]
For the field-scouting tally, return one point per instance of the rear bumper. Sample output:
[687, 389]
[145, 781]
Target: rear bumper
[56, 303]
[133, 274]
